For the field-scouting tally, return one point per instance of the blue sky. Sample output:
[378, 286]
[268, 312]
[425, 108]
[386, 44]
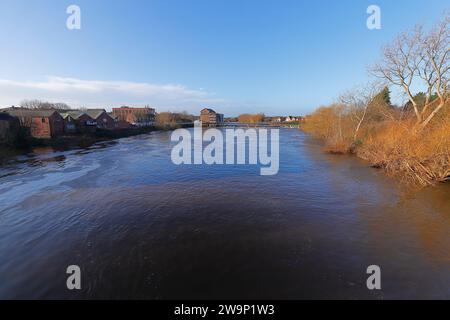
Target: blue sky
[277, 57]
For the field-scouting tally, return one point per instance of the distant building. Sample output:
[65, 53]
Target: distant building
[9, 128]
[82, 121]
[287, 119]
[140, 117]
[120, 124]
[41, 123]
[291, 119]
[103, 119]
[211, 118]
[69, 123]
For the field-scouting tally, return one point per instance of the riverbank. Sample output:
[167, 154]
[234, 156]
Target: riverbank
[69, 141]
[416, 157]
[80, 141]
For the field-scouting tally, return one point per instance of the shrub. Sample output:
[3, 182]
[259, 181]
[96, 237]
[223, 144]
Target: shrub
[421, 156]
[396, 145]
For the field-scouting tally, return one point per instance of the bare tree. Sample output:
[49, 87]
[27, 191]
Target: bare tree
[31, 104]
[357, 102]
[60, 106]
[418, 60]
[437, 54]
[43, 105]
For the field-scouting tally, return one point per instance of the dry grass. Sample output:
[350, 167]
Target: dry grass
[337, 147]
[416, 156]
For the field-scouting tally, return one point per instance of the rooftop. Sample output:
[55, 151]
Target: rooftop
[21, 112]
[94, 113]
[207, 110]
[73, 113]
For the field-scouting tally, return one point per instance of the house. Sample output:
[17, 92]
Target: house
[211, 118]
[120, 124]
[103, 119]
[117, 123]
[82, 121]
[69, 123]
[41, 123]
[140, 117]
[9, 128]
[292, 119]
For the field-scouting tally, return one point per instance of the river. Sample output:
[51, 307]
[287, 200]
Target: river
[141, 227]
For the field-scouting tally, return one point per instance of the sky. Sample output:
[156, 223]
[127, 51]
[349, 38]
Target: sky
[278, 57]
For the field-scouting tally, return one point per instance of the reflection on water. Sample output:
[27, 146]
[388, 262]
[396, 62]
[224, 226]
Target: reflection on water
[141, 227]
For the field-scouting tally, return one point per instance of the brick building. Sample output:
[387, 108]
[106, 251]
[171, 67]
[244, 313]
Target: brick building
[211, 118]
[103, 119]
[140, 117]
[41, 123]
[69, 123]
[82, 121]
[9, 128]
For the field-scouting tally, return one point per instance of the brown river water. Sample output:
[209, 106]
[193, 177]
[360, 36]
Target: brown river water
[141, 227]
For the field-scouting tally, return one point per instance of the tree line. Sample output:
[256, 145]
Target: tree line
[251, 118]
[43, 105]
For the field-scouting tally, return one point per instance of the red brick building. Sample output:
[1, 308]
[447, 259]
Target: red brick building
[41, 123]
[136, 116]
[210, 117]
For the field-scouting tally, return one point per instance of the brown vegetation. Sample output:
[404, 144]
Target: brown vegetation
[422, 156]
[252, 118]
[172, 120]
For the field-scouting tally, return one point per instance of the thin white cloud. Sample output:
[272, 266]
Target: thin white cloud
[106, 94]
